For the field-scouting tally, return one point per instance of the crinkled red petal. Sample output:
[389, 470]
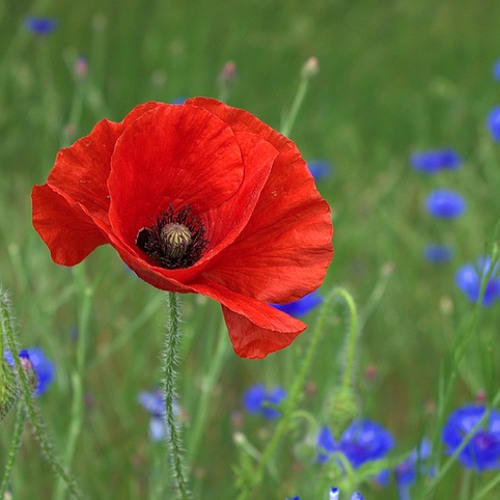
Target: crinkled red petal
[171, 155]
[69, 233]
[74, 224]
[285, 249]
[223, 223]
[255, 328]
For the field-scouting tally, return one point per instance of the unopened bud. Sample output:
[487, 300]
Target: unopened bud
[227, 76]
[342, 410]
[310, 68]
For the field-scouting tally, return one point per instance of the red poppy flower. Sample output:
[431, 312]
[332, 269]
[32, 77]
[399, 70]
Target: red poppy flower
[201, 198]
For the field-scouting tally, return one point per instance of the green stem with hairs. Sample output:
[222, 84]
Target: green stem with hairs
[27, 400]
[14, 446]
[351, 338]
[169, 377]
[295, 394]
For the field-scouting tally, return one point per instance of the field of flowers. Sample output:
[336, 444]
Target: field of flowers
[147, 180]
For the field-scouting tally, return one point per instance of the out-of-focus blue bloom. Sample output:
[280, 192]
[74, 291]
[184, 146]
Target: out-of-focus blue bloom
[302, 306]
[437, 253]
[43, 367]
[363, 441]
[258, 400]
[445, 204]
[434, 160]
[482, 452]
[154, 403]
[334, 493]
[468, 279]
[319, 168]
[178, 100]
[406, 472]
[493, 122]
[40, 25]
[496, 70]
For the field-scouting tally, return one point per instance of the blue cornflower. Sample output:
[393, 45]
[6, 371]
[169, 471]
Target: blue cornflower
[445, 204]
[258, 400]
[40, 25]
[482, 452]
[434, 160]
[43, 368]
[468, 279]
[178, 100]
[493, 122]
[496, 70]
[319, 168]
[334, 493]
[406, 472]
[302, 306]
[363, 441]
[154, 403]
[437, 253]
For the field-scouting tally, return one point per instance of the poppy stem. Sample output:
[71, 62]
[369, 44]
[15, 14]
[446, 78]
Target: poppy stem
[14, 446]
[309, 70]
[169, 376]
[286, 128]
[7, 329]
[352, 338]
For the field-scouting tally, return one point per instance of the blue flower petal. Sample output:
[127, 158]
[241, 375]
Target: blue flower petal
[40, 25]
[444, 203]
[482, 452]
[493, 123]
[302, 306]
[468, 279]
[437, 253]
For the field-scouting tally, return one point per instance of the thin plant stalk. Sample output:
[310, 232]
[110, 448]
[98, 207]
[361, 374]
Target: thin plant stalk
[294, 397]
[208, 383]
[307, 72]
[169, 378]
[84, 293]
[27, 400]
[14, 447]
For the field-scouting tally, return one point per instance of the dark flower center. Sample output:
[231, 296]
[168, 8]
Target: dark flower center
[176, 239]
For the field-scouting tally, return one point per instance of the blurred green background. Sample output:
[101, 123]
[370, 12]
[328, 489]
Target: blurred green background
[395, 76]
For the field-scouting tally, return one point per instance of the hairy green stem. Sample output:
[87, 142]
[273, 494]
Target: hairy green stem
[27, 400]
[14, 446]
[351, 338]
[169, 376]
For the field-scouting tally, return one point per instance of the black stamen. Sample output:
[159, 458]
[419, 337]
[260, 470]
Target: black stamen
[176, 239]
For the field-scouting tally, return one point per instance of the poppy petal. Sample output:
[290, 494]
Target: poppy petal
[76, 193]
[255, 328]
[258, 156]
[283, 257]
[171, 155]
[81, 171]
[69, 233]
